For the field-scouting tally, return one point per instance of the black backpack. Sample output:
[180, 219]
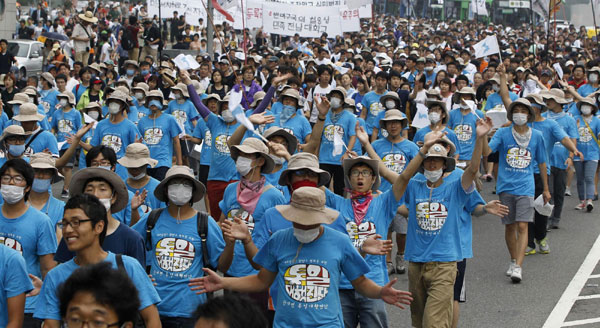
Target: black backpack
[127, 42]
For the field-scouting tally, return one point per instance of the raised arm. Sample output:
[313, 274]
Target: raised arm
[484, 126]
[315, 139]
[194, 97]
[269, 95]
[256, 119]
[363, 137]
[74, 141]
[503, 92]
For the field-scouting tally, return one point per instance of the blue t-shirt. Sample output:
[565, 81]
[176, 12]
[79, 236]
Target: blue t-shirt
[345, 127]
[48, 99]
[377, 220]
[54, 209]
[143, 111]
[65, 124]
[370, 101]
[201, 131]
[44, 140]
[586, 143]
[495, 99]
[48, 306]
[298, 126]
[241, 267]
[132, 114]
[151, 202]
[32, 235]
[184, 114]
[559, 152]
[420, 135]
[178, 258]
[116, 136]
[308, 278]
[434, 233]
[586, 90]
[222, 166]
[78, 91]
[13, 279]
[124, 215]
[382, 132]
[552, 133]
[464, 126]
[395, 156]
[515, 165]
[158, 135]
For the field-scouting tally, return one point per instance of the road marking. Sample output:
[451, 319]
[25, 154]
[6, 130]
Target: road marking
[595, 276]
[580, 322]
[588, 297]
[561, 310]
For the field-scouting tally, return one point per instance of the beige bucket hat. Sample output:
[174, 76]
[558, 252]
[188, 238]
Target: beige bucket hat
[137, 155]
[80, 178]
[69, 96]
[218, 98]
[19, 99]
[258, 97]
[431, 103]
[522, 102]
[438, 151]
[347, 165]
[45, 161]
[48, 77]
[557, 95]
[340, 90]
[588, 101]
[291, 93]
[254, 146]
[304, 161]
[13, 130]
[28, 112]
[277, 131]
[183, 88]
[179, 171]
[394, 115]
[307, 207]
[118, 95]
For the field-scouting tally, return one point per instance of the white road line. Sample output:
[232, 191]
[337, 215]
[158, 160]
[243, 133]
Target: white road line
[580, 322]
[570, 295]
[588, 297]
[595, 276]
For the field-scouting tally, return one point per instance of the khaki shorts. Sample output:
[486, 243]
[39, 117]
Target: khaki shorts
[432, 288]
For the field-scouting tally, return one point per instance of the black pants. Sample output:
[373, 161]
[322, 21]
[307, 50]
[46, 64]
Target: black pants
[537, 229]
[30, 322]
[337, 173]
[558, 184]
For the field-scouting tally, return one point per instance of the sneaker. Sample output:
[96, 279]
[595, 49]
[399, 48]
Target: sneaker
[400, 264]
[554, 225]
[589, 206]
[568, 192]
[513, 262]
[543, 246]
[494, 191]
[595, 197]
[64, 194]
[390, 268]
[580, 206]
[529, 251]
[516, 275]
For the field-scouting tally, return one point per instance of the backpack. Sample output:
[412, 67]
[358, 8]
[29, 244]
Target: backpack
[127, 42]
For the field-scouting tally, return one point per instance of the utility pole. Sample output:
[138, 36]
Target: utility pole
[210, 47]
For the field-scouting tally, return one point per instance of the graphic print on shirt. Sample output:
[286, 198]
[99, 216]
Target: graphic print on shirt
[208, 138]
[384, 133]
[358, 233]
[175, 254]
[431, 216]
[112, 141]
[375, 108]
[330, 129]
[65, 126]
[180, 116]
[584, 134]
[395, 162]
[306, 283]
[153, 136]
[244, 215]
[12, 243]
[463, 132]
[46, 106]
[518, 158]
[221, 144]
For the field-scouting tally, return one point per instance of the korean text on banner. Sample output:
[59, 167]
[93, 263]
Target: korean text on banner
[285, 19]
[193, 10]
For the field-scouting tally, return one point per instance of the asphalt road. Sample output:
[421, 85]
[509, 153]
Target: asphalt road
[494, 301]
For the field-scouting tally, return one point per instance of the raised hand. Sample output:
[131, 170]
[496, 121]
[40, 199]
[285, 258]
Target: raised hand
[282, 78]
[395, 297]
[185, 77]
[501, 69]
[261, 118]
[279, 150]
[323, 106]
[37, 285]
[432, 138]
[138, 199]
[236, 230]
[211, 282]
[484, 126]
[495, 207]
[361, 134]
[374, 245]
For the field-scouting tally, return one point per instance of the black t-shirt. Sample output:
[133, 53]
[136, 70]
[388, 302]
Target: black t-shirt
[123, 241]
[6, 61]
[95, 98]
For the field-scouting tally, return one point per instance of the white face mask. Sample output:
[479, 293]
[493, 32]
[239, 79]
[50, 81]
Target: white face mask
[434, 117]
[114, 108]
[106, 203]
[94, 114]
[179, 194]
[433, 176]
[12, 194]
[306, 236]
[243, 165]
[586, 109]
[519, 119]
[593, 78]
[389, 104]
[137, 177]
[495, 87]
[178, 96]
[336, 103]
[139, 95]
[63, 102]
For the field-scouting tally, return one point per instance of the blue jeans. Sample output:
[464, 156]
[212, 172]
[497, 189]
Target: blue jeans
[357, 308]
[176, 322]
[586, 171]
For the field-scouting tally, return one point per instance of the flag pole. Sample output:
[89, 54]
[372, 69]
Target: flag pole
[595, 26]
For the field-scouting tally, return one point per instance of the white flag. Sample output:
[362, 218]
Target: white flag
[486, 47]
[338, 144]
[478, 7]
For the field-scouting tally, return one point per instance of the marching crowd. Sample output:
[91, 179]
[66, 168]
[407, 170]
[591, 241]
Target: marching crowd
[307, 154]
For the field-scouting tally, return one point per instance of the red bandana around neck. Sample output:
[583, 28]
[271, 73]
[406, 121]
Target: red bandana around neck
[248, 193]
[360, 204]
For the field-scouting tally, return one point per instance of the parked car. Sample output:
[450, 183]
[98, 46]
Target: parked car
[29, 55]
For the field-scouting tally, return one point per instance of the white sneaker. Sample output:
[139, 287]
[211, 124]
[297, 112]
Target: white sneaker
[568, 192]
[513, 262]
[516, 276]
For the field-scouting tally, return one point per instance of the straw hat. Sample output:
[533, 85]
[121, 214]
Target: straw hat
[69, 96]
[588, 101]
[301, 161]
[277, 131]
[45, 161]
[394, 115]
[522, 102]
[337, 89]
[28, 112]
[218, 98]
[291, 93]
[183, 88]
[48, 77]
[438, 151]
[137, 155]
[118, 95]
[80, 178]
[307, 207]
[557, 95]
[19, 99]
[88, 17]
[467, 91]
[13, 130]
[347, 165]
[179, 171]
[254, 146]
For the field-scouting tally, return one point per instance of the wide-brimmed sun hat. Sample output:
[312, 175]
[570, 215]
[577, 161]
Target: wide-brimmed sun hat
[137, 155]
[257, 147]
[179, 171]
[80, 178]
[304, 161]
[307, 207]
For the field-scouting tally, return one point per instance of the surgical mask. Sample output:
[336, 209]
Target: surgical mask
[530, 84]
[63, 102]
[145, 72]
[586, 109]
[243, 165]
[130, 72]
[179, 194]
[434, 117]
[519, 119]
[495, 87]
[12, 194]
[94, 114]
[593, 78]
[433, 176]
[336, 103]
[136, 177]
[156, 104]
[139, 96]
[178, 96]
[106, 167]
[389, 104]
[114, 108]
[227, 116]
[428, 69]
[286, 113]
[306, 236]
[106, 203]
[16, 150]
[278, 160]
[41, 185]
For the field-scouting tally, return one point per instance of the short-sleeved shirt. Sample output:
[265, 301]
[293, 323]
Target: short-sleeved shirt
[586, 143]
[345, 127]
[14, 280]
[308, 278]
[465, 127]
[151, 202]
[420, 135]
[116, 136]
[298, 126]
[48, 99]
[395, 156]
[44, 140]
[222, 166]
[201, 131]
[184, 114]
[552, 133]
[177, 257]
[586, 89]
[66, 124]
[371, 102]
[494, 100]
[515, 166]
[559, 152]
[54, 209]
[158, 135]
[48, 306]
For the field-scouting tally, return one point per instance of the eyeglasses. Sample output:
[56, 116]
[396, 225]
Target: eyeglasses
[100, 163]
[18, 179]
[305, 173]
[78, 323]
[365, 173]
[74, 224]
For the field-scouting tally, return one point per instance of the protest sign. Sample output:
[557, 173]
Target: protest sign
[285, 19]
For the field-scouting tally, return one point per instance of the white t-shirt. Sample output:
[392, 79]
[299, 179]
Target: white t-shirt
[317, 92]
[80, 32]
